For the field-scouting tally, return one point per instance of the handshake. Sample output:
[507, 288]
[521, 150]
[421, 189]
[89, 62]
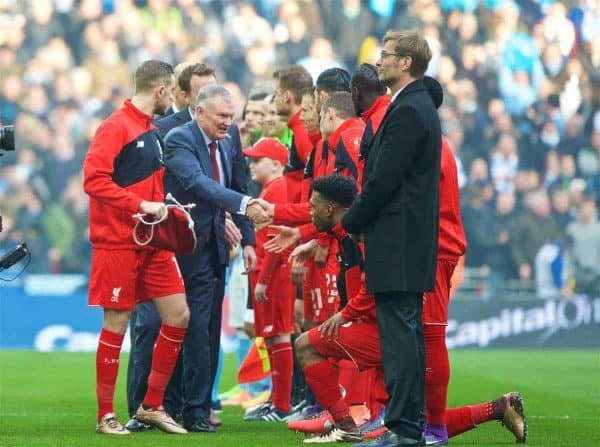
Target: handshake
[260, 212]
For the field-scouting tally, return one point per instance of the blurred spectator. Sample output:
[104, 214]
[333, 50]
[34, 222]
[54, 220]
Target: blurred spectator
[351, 24]
[532, 230]
[573, 139]
[320, 57]
[474, 208]
[495, 236]
[505, 163]
[521, 84]
[585, 234]
[561, 208]
[588, 157]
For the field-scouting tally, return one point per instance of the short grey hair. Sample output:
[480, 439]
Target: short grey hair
[212, 91]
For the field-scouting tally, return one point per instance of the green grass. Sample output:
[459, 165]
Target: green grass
[47, 399]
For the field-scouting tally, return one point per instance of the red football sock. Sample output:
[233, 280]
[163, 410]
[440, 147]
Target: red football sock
[459, 420]
[482, 412]
[107, 368]
[462, 419]
[164, 357]
[322, 377]
[437, 374]
[354, 382]
[282, 368]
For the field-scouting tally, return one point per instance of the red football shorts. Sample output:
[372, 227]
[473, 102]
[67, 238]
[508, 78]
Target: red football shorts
[320, 292]
[435, 304]
[358, 341]
[121, 278]
[275, 316]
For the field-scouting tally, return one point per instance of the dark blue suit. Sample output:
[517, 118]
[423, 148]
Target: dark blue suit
[189, 178]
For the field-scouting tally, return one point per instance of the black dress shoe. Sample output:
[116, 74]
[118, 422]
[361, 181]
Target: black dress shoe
[201, 426]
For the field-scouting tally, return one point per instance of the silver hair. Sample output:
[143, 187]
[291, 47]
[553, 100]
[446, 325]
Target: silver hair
[212, 91]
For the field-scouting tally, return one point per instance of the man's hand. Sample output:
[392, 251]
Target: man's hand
[260, 211]
[248, 329]
[331, 328]
[233, 235]
[267, 206]
[298, 272]
[286, 238]
[259, 292]
[157, 210]
[249, 258]
[303, 252]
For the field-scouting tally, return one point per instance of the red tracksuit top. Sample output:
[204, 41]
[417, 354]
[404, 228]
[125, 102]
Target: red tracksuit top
[361, 304]
[300, 150]
[123, 166]
[274, 192]
[338, 153]
[451, 241]
[372, 117]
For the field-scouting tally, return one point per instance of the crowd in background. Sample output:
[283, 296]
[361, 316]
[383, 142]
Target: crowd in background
[521, 109]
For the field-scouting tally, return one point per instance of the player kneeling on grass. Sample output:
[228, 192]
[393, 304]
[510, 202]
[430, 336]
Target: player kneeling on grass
[350, 334]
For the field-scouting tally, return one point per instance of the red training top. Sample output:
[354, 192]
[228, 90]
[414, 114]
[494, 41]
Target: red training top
[123, 166]
[273, 192]
[451, 241]
[299, 152]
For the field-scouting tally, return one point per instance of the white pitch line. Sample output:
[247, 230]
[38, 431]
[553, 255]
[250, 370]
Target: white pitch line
[30, 415]
[565, 417]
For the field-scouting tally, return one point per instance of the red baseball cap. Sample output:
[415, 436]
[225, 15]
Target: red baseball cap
[270, 148]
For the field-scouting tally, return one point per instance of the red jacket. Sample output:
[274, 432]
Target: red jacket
[451, 240]
[338, 153]
[361, 304]
[347, 149]
[123, 166]
[372, 118]
[300, 150]
[274, 192]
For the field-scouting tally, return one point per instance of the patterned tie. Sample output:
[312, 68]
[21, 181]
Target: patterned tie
[213, 161]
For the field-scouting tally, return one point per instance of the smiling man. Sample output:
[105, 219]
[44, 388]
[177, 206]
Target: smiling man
[198, 157]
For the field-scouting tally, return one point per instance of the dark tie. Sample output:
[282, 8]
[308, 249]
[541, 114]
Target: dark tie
[213, 161]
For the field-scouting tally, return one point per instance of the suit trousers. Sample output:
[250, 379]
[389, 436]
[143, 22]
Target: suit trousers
[400, 322]
[189, 391]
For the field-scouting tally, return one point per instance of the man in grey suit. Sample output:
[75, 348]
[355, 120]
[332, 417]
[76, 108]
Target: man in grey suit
[397, 213]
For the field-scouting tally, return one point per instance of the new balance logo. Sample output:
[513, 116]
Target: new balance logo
[115, 295]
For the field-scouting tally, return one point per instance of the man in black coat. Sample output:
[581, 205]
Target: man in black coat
[397, 214]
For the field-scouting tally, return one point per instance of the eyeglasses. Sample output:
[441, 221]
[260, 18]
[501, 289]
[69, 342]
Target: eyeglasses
[383, 54]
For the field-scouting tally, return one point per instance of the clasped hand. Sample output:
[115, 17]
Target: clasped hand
[260, 212]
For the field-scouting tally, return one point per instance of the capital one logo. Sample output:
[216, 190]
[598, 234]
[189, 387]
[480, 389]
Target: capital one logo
[548, 319]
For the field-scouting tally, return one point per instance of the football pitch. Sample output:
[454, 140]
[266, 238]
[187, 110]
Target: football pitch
[47, 399]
